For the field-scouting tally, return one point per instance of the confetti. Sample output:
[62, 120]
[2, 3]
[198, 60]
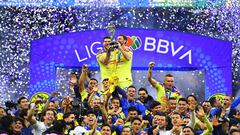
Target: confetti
[21, 25]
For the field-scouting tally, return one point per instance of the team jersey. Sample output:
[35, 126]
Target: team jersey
[105, 70]
[161, 92]
[84, 94]
[118, 67]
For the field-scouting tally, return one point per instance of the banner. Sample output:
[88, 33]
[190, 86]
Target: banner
[168, 49]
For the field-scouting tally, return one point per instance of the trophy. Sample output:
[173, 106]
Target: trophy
[111, 30]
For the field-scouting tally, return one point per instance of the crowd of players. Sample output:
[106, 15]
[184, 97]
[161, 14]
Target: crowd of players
[115, 107]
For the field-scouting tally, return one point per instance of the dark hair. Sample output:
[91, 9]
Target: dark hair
[22, 113]
[124, 37]
[67, 114]
[20, 99]
[183, 99]
[132, 108]
[136, 118]
[107, 125]
[154, 104]
[231, 98]
[15, 119]
[6, 121]
[57, 128]
[176, 113]
[145, 117]
[52, 101]
[206, 101]
[126, 127]
[115, 98]
[131, 86]
[91, 112]
[189, 128]
[195, 98]
[234, 130]
[160, 114]
[106, 79]
[75, 74]
[45, 112]
[107, 37]
[94, 79]
[143, 89]
[168, 75]
[172, 98]
[212, 100]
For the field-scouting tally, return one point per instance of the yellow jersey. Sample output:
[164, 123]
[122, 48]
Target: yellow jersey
[118, 67]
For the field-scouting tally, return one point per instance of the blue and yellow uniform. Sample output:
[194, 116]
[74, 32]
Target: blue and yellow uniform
[118, 66]
[162, 92]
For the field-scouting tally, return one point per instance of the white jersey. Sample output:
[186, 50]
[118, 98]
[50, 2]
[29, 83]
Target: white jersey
[39, 128]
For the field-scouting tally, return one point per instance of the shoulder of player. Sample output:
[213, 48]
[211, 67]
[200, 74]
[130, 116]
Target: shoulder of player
[127, 49]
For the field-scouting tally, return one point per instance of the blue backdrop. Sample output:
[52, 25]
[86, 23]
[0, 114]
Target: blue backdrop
[170, 50]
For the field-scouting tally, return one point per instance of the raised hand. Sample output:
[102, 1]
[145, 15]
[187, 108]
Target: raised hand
[200, 111]
[155, 130]
[95, 88]
[176, 129]
[119, 121]
[151, 65]
[215, 121]
[112, 112]
[54, 93]
[85, 68]
[237, 116]
[145, 123]
[177, 91]
[67, 101]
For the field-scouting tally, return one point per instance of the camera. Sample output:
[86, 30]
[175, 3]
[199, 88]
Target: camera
[10, 104]
[78, 107]
[113, 45]
[76, 102]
